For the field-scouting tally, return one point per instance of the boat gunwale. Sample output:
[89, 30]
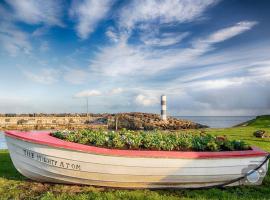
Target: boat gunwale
[46, 139]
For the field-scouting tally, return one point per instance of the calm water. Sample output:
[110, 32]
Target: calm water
[2, 141]
[218, 121]
[213, 122]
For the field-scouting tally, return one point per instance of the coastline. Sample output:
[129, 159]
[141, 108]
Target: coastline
[132, 120]
[254, 122]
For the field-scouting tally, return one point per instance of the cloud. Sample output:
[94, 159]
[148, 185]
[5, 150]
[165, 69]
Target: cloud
[87, 93]
[14, 40]
[164, 11]
[227, 63]
[232, 31]
[225, 34]
[112, 34]
[123, 58]
[242, 91]
[246, 96]
[75, 76]
[188, 74]
[41, 31]
[117, 59]
[115, 91]
[34, 12]
[37, 11]
[261, 70]
[87, 14]
[152, 47]
[44, 76]
[145, 100]
[215, 84]
[165, 39]
[205, 82]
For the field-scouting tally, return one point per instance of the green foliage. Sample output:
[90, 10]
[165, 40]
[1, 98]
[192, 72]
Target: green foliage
[151, 140]
[118, 140]
[59, 135]
[262, 121]
[212, 146]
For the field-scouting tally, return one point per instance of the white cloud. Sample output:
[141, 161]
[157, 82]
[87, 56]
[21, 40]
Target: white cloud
[261, 70]
[112, 34]
[44, 76]
[238, 60]
[217, 83]
[225, 34]
[116, 91]
[247, 95]
[222, 85]
[146, 100]
[87, 14]
[164, 40]
[196, 79]
[123, 58]
[87, 93]
[118, 59]
[224, 76]
[75, 76]
[164, 11]
[13, 40]
[37, 11]
[41, 31]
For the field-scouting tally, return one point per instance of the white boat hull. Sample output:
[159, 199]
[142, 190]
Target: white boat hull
[45, 163]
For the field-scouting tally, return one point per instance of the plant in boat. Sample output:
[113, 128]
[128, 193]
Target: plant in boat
[152, 140]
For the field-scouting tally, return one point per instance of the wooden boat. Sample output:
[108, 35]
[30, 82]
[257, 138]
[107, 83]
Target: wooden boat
[44, 158]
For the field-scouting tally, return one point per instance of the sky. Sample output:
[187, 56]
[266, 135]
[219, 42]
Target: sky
[210, 57]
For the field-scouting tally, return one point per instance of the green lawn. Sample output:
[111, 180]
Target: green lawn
[15, 186]
[260, 121]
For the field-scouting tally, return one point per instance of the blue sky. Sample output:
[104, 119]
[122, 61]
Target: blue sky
[210, 57]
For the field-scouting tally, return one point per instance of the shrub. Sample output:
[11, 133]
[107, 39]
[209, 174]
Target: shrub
[151, 140]
[203, 142]
[119, 140]
[183, 142]
[212, 146]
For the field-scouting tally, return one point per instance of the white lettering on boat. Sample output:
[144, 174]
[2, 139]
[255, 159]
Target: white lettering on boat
[53, 162]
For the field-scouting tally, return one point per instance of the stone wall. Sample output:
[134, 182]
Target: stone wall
[49, 122]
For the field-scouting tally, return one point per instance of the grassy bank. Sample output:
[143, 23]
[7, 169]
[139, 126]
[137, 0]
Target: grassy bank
[15, 186]
[262, 121]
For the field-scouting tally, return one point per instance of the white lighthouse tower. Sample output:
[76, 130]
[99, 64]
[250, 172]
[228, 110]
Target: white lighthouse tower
[163, 107]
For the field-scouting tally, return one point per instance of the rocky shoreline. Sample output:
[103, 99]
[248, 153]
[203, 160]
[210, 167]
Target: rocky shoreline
[131, 121]
[148, 121]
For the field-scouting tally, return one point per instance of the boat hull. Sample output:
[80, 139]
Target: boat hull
[48, 163]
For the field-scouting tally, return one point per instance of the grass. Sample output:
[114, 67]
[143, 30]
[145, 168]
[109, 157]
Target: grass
[262, 121]
[15, 186]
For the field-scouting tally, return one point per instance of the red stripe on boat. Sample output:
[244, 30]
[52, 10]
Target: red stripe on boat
[45, 138]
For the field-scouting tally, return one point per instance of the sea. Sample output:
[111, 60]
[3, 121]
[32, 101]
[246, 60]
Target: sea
[3, 144]
[211, 121]
[218, 121]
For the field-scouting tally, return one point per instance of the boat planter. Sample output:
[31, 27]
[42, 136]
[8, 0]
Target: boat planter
[44, 158]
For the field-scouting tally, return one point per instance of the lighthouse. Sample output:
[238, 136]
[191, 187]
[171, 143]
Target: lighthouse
[163, 107]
